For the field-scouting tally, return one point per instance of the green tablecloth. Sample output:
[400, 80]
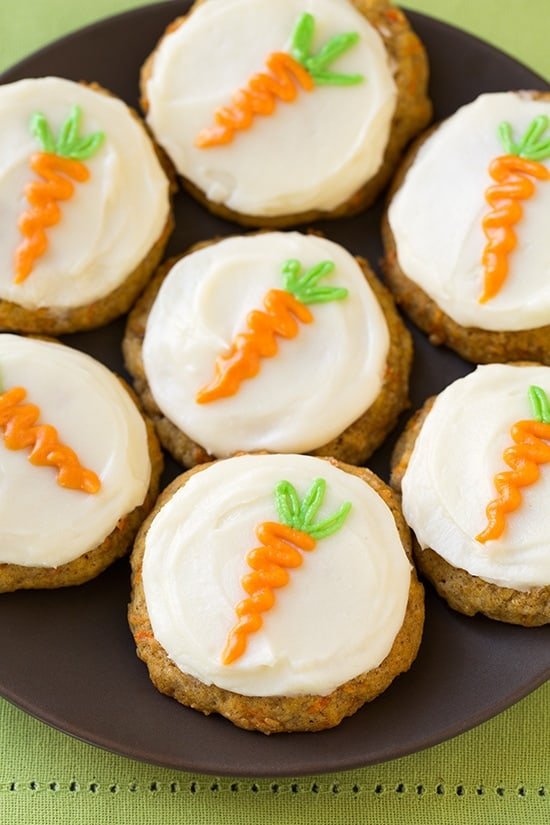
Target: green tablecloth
[497, 773]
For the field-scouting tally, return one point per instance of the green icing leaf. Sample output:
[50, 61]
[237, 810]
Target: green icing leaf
[534, 132]
[312, 502]
[315, 273]
[302, 37]
[330, 525]
[291, 270]
[86, 147]
[40, 128]
[335, 47]
[68, 131]
[541, 152]
[506, 138]
[331, 79]
[540, 404]
[322, 295]
[287, 502]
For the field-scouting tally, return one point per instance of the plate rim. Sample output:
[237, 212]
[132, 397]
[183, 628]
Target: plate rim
[89, 28]
[191, 763]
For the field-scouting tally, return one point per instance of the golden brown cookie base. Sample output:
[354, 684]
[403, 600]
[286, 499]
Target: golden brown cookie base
[276, 714]
[413, 112]
[477, 345]
[464, 592]
[63, 320]
[91, 564]
[354, 445]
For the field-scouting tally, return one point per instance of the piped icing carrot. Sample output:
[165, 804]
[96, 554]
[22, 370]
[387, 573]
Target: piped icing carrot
[529, 451]
[281, 543]
[288, 72]
[60, 163]
[512, 173]
[284, 308]
[18, 423]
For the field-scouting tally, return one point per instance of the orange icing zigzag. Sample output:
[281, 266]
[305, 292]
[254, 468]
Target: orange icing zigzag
[44, 212]
[258, 98]
[523, 458]
[278, 551]
[513, 184]
[17, 422]
[242, 361]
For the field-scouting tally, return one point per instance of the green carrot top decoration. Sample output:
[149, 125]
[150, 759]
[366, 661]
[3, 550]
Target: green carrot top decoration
[301, 515]
[287, 72]
[69, 143]
[533, 145]
[317, 65]
[305, 287]
[540, 404]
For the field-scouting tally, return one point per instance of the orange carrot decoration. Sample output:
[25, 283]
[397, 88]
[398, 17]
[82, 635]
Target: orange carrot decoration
[57, 165]
[512, 173]
[283, 307]
[18, 425]
[280, 545]
[287, 72]
[523, 458]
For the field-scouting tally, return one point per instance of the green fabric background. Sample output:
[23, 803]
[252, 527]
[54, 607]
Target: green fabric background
[496, 774]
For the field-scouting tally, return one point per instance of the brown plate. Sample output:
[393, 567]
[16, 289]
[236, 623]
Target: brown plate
[68, 657]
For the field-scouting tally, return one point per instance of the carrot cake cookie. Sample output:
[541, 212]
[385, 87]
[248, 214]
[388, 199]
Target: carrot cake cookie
[85, 206]
[79, 465]
[466, 236]
[279, 112]
[275, 341]
[474, 471]
[276, 590]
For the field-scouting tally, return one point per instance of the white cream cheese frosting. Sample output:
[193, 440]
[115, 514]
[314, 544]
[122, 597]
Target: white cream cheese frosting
[436, 219]
[313, 153]
[112, 220]
[450, 478]
[319, 382]
[41, 523]
[337, 617]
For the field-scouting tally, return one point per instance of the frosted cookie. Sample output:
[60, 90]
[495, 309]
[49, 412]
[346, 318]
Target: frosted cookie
[474, 471]
[297, 633]
[85, 206]
[277, 341]
[466, 237]
[79, 465]
[279, 113]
